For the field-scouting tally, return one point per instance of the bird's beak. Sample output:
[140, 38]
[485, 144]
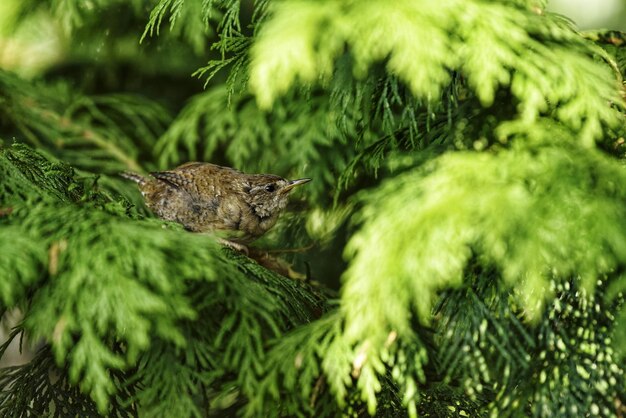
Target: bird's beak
[294, 183]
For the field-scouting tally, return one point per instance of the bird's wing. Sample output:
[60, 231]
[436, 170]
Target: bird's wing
[204, 183]
[178, 181]
[186, 187]
[190, 183]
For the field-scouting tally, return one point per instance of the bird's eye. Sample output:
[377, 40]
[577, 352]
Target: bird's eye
[270, 188]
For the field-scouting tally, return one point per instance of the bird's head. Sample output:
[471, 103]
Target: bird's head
[269, 194]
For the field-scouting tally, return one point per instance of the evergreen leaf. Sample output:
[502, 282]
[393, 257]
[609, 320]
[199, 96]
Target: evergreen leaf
[90, 132]
[515, 186]
[467, 161]
[487, 43]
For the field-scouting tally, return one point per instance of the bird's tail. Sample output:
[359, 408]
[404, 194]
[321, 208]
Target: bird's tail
[137, 178]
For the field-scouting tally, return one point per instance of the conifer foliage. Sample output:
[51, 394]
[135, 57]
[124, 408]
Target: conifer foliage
[460, 252]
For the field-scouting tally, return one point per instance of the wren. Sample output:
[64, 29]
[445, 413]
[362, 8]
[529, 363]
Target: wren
[205, 197]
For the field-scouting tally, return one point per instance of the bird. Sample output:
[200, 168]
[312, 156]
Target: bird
[206, 197]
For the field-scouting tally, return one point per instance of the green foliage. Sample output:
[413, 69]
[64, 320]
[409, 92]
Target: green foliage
[74, 14]
[482, 41]
[467, 159]
[547, 207]
[196, 21]
[21, 263]
[208, 127]
[576, 325]
[89, 132]
[105, 312]
[41, 389]
[567, 354]
[302, 350]
[612, 41]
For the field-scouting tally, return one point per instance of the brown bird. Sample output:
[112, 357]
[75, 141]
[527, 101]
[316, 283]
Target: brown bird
[206, 197]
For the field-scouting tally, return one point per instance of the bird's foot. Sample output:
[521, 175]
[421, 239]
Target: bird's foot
[234, 245]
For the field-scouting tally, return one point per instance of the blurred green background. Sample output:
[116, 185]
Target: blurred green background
[39, 43]
[593, 14]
